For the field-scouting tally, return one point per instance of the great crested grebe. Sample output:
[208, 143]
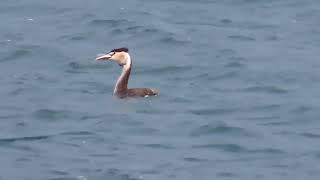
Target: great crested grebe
[122, 57]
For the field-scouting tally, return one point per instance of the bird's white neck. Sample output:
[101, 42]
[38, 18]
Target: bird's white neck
[121, 86]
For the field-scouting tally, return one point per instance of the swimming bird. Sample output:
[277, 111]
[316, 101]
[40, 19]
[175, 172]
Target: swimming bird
[122, 57]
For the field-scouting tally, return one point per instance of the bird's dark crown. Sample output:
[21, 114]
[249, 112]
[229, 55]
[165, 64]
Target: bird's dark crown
[123, 49]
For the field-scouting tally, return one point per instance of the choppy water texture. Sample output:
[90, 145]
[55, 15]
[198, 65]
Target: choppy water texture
[238, 80]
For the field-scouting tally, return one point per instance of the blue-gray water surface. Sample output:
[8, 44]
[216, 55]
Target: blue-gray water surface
[238, 80]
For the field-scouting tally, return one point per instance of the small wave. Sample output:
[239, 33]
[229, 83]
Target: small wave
[50, 114]
[11, 116]
[206, 75]
[251, 25]
[226, 52]
[242, 38]
[237, 148]
[266, 89]
[264, 118]
[273, 37]
[144, 131]
[134, 28]
[302, 109]
[33, 77]
[118, 31]
[217, 111]
[30, 138]
[87, 91]
[268, 107]
[226, 21]
[210, 129]
[226, 75]
[193, 159]
[271, 151]
[11, 108]
[155, 111]
[164, 70]
[77, 133]
[109, 22]
[234, 65]
[79, 66]
[143, 31]
[75, 68]
[157, 146]
[151, 30]
[14, 36]
[16, 92]
[62, 10]
[87, 87]
[257, 26]
[226, 174]
[59, 173]
[106, 155]
[76, 138]
[278, 123]
[311, 135]
[75, 65]
[223, 147]
[116, 174]
[182, 100]
[79, 37]
[20, 53]
[173, 41]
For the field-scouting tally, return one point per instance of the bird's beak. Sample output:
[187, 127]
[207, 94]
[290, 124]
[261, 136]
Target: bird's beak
[103, 57]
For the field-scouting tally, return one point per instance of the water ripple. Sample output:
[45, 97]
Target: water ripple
[16, 92]
[311, 135]
[266, 89]
[165, 70]
[302, 109]
[173, 41]
[227, 175]
[11, 116]
[242, 38]
[234, 65]
[211, 129]
[157, 146]
[193, 159]
[272, 151]
[17, 54]
[75, 133]
[80, 67]
[109, 22]
[225, 75]
[60, 173]
[30, 138]
[268, 107]
[251, 25]
[223, 147]
[50, 114]
[116, 174]
[241, 149]
[75, 37]
[23, 51]
[214, 111]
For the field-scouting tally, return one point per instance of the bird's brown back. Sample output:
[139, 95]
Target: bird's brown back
[142, 92]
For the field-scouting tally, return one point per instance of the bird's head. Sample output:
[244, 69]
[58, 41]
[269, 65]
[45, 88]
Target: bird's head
[119, 55]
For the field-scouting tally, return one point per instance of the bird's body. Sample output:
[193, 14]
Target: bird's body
[122, 57]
